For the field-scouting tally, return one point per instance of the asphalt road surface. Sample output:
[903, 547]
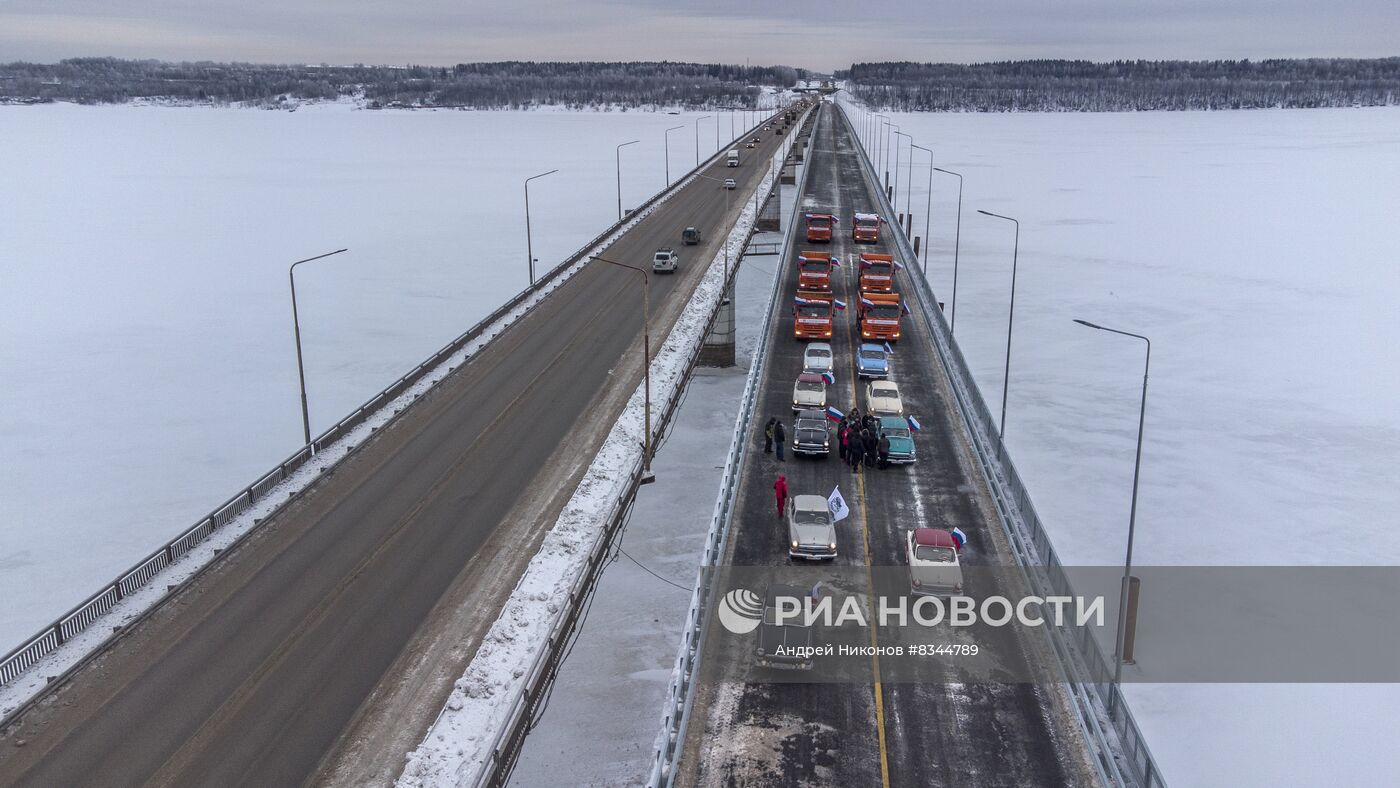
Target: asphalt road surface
[314, 652]
[874, 733]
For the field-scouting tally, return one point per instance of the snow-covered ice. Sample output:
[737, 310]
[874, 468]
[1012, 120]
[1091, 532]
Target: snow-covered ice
[1255, 249]
[148, 360]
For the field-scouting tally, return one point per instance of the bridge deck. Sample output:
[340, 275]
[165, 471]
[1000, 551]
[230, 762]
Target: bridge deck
[934, 734]
[322, 648]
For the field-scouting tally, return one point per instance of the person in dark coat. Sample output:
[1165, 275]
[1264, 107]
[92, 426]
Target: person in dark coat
[780, 492]
[884, 452]
[854, 448]
[871, 443]
[768, 436]
[779, 436]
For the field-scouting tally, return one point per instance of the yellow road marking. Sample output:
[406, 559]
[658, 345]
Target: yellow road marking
[869, 579]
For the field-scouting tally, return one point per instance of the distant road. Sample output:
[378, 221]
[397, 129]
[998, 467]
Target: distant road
[323, 647]
[902, 734]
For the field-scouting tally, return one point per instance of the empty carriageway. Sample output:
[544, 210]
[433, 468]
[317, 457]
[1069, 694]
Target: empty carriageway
[873, 731]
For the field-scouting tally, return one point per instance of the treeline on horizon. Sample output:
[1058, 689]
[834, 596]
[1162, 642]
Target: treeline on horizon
[503, 85]
[1125, 85]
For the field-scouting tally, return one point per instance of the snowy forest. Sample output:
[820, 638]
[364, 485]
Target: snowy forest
[508, 85]
[1125, 85]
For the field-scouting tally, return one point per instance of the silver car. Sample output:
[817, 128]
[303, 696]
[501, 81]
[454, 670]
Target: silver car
[882, 399]
[809, 392]
[817, 358]
[811, 531]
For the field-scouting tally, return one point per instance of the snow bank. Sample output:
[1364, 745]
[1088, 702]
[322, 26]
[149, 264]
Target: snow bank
[460, 743]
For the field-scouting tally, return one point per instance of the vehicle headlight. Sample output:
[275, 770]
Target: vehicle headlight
[832, 546]
[794, 544]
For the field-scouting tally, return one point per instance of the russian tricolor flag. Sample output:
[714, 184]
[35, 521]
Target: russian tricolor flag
[959, 537]
[903, 308]
[914, 424]
[833, 414]
[898, 266]
[830, 380]
[838, 304]
[836, 259]
[865, 302]
[802, 301]
[889, 349]
[864, 263]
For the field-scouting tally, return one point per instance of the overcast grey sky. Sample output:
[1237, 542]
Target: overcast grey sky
[809, 33]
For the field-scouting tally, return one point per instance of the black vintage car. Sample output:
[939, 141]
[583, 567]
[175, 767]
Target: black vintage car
[785, 646]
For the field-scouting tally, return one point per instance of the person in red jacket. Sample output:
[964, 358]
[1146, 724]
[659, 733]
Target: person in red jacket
[780, 491]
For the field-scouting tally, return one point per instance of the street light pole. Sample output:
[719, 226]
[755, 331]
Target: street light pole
[646, 362]
[296, 330]
[529, 243]
[697, 138]
[891, 129]
[957, 244]
[1010, 318]
[928, 199]
[667, 144]
[1118, 647]
[879, 148]
[895, 201]
[619, 175]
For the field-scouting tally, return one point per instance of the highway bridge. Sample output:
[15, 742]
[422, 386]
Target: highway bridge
[905, 734]
[322, 647]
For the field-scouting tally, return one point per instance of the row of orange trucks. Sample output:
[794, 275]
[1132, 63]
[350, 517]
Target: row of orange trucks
[865, 227]
[879, 311]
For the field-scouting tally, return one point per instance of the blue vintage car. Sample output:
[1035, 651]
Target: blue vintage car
[896, 428]
[872, 361]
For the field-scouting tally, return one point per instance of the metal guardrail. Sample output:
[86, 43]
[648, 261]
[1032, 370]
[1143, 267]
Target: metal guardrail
[1083, 660]
[505, 750]
[75, 621]
[680, 691]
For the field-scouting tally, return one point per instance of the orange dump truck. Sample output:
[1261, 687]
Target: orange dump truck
[811, 315]
[877, 273]
[819, 227]
[879, 316]
[865, 228]
[814, 271]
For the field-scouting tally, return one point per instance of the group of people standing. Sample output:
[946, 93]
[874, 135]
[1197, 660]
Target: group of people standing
[858, 437]
[861, 443]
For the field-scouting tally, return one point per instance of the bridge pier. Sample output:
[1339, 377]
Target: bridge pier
[718, 350]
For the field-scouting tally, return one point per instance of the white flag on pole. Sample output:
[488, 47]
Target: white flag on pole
[837, 505]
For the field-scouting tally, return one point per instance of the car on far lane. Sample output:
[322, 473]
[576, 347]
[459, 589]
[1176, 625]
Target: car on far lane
[817, 358]
[872, 361]
[730, 184]
[690, 236]
[882, 399]
[749, 145]
[756, 140]
[664, 262]
[811, 529]
[809, 392]
[810, 433]
[896, 428]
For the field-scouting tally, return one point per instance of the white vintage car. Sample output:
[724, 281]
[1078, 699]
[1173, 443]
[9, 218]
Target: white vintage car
[817, 358]
[882, 398]
[811, 530]
[809, 392]
[934, 569]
